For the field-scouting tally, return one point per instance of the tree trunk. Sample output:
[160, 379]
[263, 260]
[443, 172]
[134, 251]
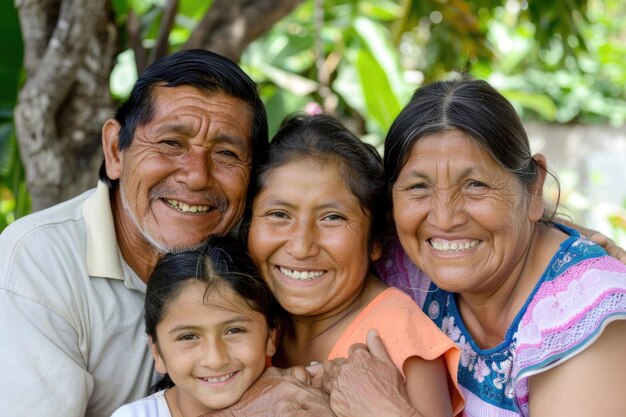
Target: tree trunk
[69, 51]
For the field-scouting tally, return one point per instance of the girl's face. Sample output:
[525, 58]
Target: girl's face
[309, 238]
[213, 347]
[460, 216]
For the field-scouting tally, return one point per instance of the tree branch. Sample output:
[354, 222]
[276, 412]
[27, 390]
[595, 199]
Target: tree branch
[230, 26]
[167, 21]
[133, 27]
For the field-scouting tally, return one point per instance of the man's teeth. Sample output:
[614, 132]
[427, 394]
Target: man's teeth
[301, 275]
[186, 207]
[219, 378]
[453, 246]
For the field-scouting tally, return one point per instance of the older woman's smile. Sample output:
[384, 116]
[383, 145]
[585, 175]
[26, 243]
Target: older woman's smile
[442, 245]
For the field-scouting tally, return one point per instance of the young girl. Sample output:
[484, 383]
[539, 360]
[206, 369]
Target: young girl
[211, 323]
[313, 228]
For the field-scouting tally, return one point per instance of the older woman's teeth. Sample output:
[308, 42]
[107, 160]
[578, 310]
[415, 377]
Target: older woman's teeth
[300, 275]
[452, 246]
[186, 208]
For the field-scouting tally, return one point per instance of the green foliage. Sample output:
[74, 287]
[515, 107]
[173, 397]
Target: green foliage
[581, 69]
[14, 199]
[557, 61]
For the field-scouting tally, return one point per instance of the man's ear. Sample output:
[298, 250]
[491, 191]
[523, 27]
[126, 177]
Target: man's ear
[110, 147]
[159, 363]
[537, 205]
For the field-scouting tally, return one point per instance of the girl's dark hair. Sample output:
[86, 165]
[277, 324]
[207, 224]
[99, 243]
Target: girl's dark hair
[224, 261]
[199, 68]
[470, 106]
[322, 137]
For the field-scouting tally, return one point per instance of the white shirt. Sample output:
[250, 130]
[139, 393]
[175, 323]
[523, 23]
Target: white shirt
[152, 406]
[71, 314]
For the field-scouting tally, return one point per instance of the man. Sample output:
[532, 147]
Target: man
[177, 156]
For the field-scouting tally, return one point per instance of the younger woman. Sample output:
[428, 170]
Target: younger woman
[211, 323]
[317, 214]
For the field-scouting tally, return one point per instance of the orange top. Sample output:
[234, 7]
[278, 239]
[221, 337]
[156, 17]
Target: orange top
[406, 331]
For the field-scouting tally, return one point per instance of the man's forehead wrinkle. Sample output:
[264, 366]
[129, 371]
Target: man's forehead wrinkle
[181, 124]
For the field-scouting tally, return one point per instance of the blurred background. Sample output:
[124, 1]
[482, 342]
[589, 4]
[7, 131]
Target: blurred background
[65, 66]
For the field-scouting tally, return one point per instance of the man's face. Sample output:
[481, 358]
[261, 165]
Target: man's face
[185, 175]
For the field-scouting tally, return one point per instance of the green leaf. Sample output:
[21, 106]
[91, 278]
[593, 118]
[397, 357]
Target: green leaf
[289, 81]
[380, 100]
[540, 103]
[194, 8]
[378, 41]
[381, 9]
[280, 103]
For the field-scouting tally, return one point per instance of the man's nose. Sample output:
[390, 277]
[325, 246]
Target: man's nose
[196, 170]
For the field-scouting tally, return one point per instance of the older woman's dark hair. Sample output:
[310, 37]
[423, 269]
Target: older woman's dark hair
[322, 137]
[199, 68]
[473, 107]
[224, 261]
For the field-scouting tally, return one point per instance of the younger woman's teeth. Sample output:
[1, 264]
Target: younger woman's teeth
[300, 275]
[453, 246]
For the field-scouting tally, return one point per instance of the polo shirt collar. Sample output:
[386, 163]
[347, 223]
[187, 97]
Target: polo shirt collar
[103, 256]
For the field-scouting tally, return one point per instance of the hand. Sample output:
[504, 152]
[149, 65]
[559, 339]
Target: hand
[601, 239]
[280, 392]
[367, 374]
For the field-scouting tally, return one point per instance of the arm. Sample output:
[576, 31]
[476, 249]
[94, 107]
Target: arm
[427, 386]
[590, 383]
[368, 373]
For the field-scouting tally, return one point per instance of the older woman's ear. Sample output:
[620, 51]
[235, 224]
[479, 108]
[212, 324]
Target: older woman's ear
[537, 204]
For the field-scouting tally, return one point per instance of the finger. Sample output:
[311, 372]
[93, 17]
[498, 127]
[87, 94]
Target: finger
[330, 372]
[314, 369]
[357, 346]
[301, 374]
[376, 346]
[598, 238]
[617, 252]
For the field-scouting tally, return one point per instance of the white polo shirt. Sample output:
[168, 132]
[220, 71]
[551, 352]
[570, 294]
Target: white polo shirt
[72, 339]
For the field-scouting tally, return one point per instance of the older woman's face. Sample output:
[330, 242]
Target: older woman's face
[309, 238]
[460, 216]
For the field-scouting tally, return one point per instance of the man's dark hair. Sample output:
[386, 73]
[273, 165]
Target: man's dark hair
[199, 68]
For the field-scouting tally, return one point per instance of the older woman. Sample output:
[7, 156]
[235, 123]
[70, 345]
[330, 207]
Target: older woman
[538, 311]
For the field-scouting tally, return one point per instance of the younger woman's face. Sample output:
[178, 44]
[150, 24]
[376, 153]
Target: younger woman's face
[309, 238]
[213, 347]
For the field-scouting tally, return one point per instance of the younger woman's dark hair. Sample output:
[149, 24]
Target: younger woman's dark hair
[322, 137]
[224, 261]
[470, 106]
